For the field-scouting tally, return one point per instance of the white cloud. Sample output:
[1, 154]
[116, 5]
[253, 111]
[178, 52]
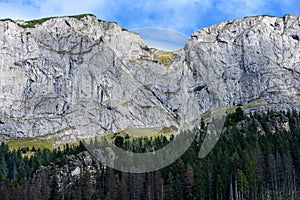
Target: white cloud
[175, 14]
[20, 9]
[237, 8]
[15, 10]
[241, 8]
[68, 7]
[162, 39]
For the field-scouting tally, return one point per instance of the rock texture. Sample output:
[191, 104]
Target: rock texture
[71, 76]
[253, 60]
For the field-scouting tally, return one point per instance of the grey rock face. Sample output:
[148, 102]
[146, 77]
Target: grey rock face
[253, 61]
[73, 77]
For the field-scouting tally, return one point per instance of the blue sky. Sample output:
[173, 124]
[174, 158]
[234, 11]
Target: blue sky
[185, 16]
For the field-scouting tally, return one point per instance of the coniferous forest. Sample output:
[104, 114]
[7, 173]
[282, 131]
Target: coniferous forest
[256, 157]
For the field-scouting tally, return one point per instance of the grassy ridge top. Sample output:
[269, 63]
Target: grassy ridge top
[34, 22]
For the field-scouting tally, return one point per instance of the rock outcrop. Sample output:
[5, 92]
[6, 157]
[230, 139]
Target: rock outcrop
[253, 61]
[69, 76]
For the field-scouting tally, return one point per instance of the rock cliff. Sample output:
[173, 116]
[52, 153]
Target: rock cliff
[72, 76]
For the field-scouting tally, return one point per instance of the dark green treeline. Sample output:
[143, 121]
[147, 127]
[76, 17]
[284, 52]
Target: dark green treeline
[257, 157]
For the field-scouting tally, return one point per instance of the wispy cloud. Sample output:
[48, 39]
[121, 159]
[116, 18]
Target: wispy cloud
[181, 15]
[67, 7]
[15, 10]
[240, 8]
[29, 9]
[162, 39]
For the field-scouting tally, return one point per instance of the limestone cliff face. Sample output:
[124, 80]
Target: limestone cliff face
[254, 61]
[70, 76]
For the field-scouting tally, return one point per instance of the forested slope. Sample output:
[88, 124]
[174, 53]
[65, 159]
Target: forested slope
[257, 157]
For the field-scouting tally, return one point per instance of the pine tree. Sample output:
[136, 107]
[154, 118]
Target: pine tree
[170, 189]
[189, 182]
[54, 188]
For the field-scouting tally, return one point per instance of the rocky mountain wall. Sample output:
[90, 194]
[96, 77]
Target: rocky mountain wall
[69, 76]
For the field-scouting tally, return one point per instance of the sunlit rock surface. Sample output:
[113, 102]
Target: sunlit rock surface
[70, 77]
